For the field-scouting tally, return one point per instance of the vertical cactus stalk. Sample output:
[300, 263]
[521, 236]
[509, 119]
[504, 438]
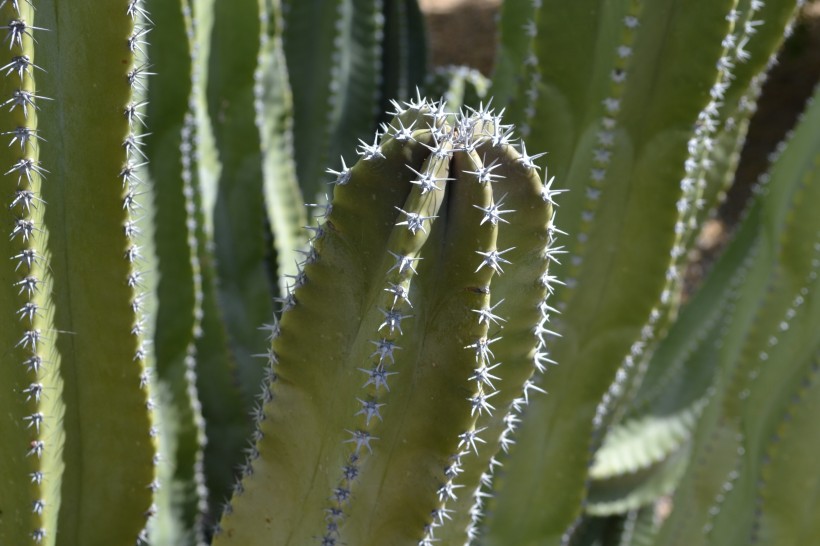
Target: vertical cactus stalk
[182, 499]
[386, 378]
[222, 404]
[31, 406]
[242, 249]
[274, 117]
[95, 74]
[335, 103]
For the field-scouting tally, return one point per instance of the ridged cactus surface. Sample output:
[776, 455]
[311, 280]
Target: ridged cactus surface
[73, 277]
[400, 358]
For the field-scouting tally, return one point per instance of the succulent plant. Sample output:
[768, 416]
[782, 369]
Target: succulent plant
[184, 364]
[404, 347]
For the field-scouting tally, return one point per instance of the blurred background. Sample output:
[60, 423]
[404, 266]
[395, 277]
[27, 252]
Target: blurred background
[453, 26]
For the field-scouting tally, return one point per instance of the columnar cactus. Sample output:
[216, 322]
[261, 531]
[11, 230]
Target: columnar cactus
[72, 275]
[400, 358]
[134, 297]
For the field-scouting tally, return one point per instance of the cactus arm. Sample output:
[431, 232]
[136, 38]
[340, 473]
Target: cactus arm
[448, 286]
[344, 246]
[335, 102]
[523, 289]
[788, 493]
[31, 406]
[781, 343]
[283, 198]
[515, 55]
[650, 126]
[92, 204]
[181, 497]
[682, 368]
[758, 35]
[459, 86]
[713, 152]
[758, 39]
[200, 20]
[434, 266]
[241, 248]
[404, 53]
[773, 315]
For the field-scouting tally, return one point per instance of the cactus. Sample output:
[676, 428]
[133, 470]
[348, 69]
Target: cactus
[72, 277]
[636, 151]
[153, 211]
[426, 342]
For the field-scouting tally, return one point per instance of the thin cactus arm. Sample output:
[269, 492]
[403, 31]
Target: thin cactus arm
[199, 15]
[182, 497]
[460, 86]
[246, 288]
[518, 318]
[390, 445]
[335, 103]
[779, 352]
[283, 197]
[516, 61]
[753, 45]
[217, 388]
[404, 53]
[95, 198]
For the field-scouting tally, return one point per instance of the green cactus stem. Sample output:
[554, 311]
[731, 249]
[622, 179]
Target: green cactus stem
[95, 202]
[390, 366]
[618, 134]
[766, 363]
[336, 101]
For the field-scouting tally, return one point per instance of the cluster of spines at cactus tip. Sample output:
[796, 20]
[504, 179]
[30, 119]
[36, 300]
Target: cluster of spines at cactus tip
[135, 160]
[26, 207]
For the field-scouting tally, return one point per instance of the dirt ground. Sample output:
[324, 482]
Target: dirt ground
[463, 32]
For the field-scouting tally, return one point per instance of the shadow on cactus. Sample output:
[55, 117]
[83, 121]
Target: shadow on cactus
[407, 345]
